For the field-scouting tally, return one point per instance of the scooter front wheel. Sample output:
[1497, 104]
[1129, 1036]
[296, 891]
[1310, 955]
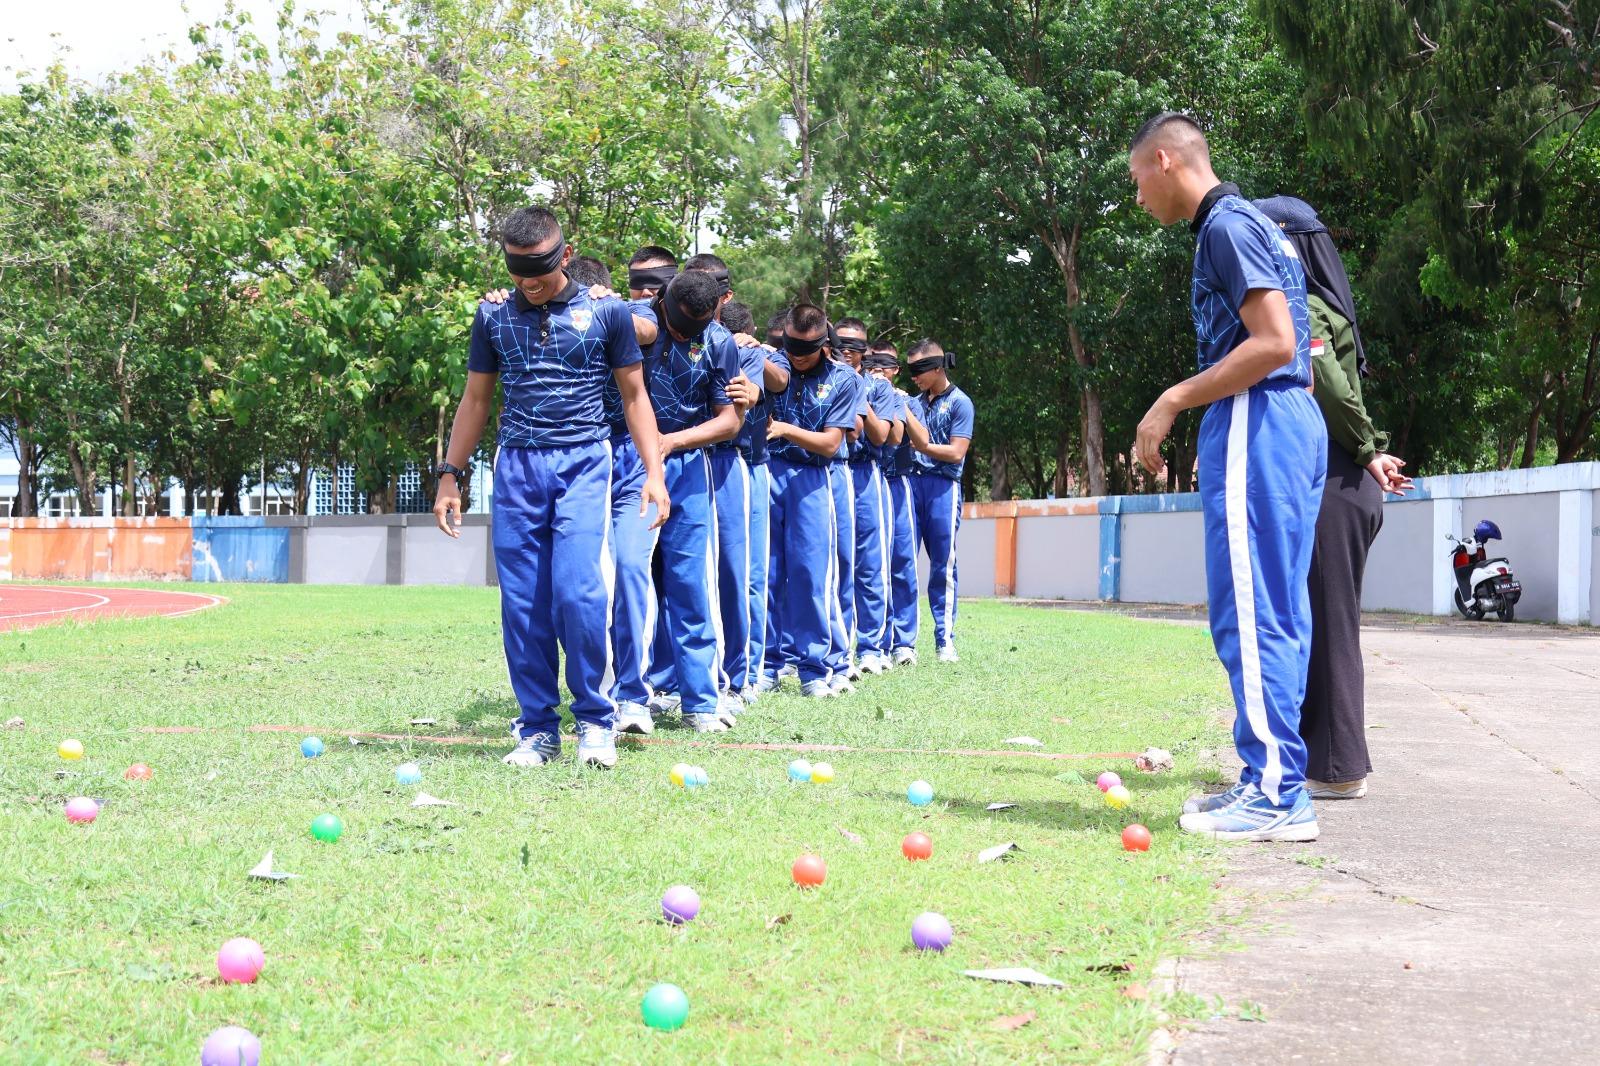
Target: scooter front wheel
[1472, 611]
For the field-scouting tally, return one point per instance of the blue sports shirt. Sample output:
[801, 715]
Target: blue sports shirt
[554, 362]
[1238, 249]
[616, 420]
[825, 398]
[887, 405]
[946, 416]
[689, 379]
[752, 438]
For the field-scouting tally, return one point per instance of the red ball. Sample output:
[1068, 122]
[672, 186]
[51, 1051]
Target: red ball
[137, 772]
[809, 871]
[1136, 838]
[917, 846]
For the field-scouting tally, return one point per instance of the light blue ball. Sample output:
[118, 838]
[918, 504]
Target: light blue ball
[696, 778]
[408, 774]
[920, 793]
[311, 747]
[800, 770]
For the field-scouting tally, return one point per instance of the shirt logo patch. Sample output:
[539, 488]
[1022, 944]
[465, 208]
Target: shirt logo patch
[823, 390]
[581, 318]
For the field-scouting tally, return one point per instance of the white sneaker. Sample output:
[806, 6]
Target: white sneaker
[842, 685]
[817, 690]
[708, 723]
[790, 670]
[729, 707]
[536, 750]
[853, 671]
[749, 694]
[597, 746]
[768, 683]
[905, 656]
[635, 718]
[947, 654]
[664, 702]
[874, 663]
[1343, 790]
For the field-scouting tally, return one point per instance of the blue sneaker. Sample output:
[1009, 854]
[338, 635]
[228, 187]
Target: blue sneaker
[1206, 804]
[1254, 817]
[536, 750]
[597, 745]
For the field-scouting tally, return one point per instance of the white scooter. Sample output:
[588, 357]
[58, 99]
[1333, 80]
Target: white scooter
[1483, 584]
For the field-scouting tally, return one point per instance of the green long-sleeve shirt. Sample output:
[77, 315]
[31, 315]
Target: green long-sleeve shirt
[1338, 384]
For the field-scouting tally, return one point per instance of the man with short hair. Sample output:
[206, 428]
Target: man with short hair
[1262, 453]
[589, 272]
[775, 326]
[809, 420]
[939, 423]
[897, 464]
[869, 589]
[552, 348]
[719, 272]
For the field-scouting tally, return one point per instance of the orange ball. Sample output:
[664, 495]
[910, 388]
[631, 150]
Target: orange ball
[809, 871]
[1136, 838]
[917, 846]
[137, 772]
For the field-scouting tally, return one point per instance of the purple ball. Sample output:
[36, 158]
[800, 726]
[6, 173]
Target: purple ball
[680, 904]
[931, 932]
[231, 1046]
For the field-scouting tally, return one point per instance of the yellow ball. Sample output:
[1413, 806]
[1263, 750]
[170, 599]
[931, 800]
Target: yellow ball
[821, 772]
[677, 774]
[1118, 796]
[70, 749]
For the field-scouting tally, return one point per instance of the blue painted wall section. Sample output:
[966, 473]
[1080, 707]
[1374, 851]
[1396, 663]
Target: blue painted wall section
[240, 549]
[1112, 508]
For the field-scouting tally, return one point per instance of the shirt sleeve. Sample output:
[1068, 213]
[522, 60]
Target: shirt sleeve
[481, 357]
[644, 309]
[1336, 384]
[961, 415]
[843, 402]
[1240, 256]
[622, 344]
[724, 368]
[752, 360]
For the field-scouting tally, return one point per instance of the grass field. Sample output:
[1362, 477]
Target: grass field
[523, 924]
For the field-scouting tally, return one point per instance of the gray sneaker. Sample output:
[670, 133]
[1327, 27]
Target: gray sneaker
[1207, 804]
[817, 690]
[1340, 790]
[536, 750]
[635, 718]
[729, 708]
[749, 694]
[768, 683]
[597, 746]
[906, 656]
[842, 685]
[707, 723]
[790, 670]
[947, 654]
[664, 702]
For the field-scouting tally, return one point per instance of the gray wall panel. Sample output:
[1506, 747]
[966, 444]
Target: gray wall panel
[1163, 557]
[1058, 557]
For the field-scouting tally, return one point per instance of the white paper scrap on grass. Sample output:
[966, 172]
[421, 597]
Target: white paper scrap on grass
[1018, 975]
[999, 851]
[424, 721]
[264, 872]
[425, 800]
[1000, 806]
[1032, 742]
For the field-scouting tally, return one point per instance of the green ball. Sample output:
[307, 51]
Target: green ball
[327, 827]
[665, 1007]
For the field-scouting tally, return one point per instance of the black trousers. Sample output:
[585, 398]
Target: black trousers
[1333, 720]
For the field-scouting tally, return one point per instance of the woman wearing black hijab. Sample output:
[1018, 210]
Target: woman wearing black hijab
[1333, 718]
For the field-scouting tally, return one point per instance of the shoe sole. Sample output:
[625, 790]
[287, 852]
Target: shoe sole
[1321, 795]
[1291, 834]
[593, 760]
[636, 729]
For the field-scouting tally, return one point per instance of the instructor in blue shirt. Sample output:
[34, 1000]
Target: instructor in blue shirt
[1262, 454]
[552, 348]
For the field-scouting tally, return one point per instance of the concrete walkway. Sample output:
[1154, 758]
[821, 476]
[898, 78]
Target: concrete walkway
[1452, 916]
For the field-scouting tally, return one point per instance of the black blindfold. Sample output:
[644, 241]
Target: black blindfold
[651, 277]
[934, 362]
[683, 324]
[536, 266]
[799, 349]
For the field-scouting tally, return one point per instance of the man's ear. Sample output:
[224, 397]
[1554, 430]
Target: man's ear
[1164, 160]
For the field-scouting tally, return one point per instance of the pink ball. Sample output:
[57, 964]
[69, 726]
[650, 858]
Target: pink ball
[240, 960]
[681, 904]
[81, 810]
[231, 1046]
[1107, 780]
[931, 932]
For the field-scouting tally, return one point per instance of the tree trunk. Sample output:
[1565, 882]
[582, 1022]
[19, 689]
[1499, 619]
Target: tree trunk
[228, 503]
[83, 477]
[302, 485]
[1000, 471]
[1091, 422]
[1530, 440]
[27, 503]
[1063, 478]
[130, 489]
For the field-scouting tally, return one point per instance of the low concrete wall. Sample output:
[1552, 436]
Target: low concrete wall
[1058, 557]
[1163, 558]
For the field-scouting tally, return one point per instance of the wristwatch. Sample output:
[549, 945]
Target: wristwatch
[446, 468]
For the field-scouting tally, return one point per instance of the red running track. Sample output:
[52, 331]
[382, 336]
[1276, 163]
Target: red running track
[31, 606]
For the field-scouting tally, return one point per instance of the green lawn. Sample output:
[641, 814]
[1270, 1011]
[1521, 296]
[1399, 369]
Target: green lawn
[523, 925]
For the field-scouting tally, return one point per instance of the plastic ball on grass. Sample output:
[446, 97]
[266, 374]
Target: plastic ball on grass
[800, 770]
[70, 749]
[81, 810]
[1136, 838]
[917, 846]
[408, 773]
[931, 932]
[1118, 796]
[327, 828]
[311, 747]
[696, 778]
[138, 772]
[665, 1007]
[821, 773]
[231, 1046]
[1107, 781]
[681, 904]
[240, 961]
[679, 774]
[809, 871]
[920, 794]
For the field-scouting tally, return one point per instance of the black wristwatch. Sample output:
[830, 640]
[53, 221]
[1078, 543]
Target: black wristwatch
[446, 468]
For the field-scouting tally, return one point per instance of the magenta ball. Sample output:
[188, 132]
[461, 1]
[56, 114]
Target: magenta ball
[680, 904]
[1107, 780]
[82, 809]
[931, 932]
[240, 960]
[231, 1046]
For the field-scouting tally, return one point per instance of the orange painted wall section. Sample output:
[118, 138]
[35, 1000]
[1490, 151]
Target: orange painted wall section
[96, 549]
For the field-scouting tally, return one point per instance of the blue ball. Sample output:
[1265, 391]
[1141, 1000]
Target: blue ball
[311, 747]
[920, 793]
[696, 778]
[408, 774]
[800, 770]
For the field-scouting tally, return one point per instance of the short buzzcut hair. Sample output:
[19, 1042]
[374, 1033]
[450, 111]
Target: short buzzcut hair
[736, 317]
[883, 346]
[922, 348]
[695, 290]
[588, 272]
[652, 253]
[1180, 128]
[777, 322]
[705, 261]
[806, 318]
[529, 226]
[850, 323]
